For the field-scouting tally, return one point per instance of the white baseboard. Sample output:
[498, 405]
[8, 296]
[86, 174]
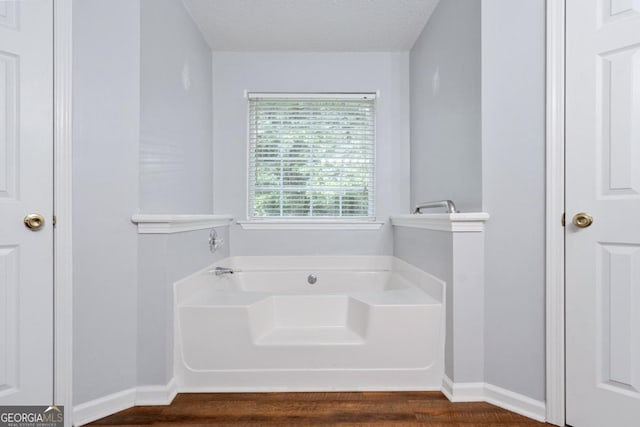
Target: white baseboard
[164, 395]
[116, 402]
[156, 394]
[515, 402]
[104, 406]
[274, 389]
[482, 392]
[447, 388]
[462, 392]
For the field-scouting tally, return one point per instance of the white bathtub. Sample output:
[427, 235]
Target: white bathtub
[368, 323]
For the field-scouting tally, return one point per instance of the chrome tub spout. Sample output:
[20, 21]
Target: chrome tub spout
[451, 207]
[219, 271]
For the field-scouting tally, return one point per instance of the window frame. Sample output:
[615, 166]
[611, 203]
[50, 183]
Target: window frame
[311, 222]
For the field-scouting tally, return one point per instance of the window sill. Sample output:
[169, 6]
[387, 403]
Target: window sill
[309, 225]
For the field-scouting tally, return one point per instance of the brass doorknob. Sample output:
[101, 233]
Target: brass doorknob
[34, 222]
[582, 220]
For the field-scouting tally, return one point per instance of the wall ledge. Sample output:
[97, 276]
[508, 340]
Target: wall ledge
[169, 224]
[456, 222]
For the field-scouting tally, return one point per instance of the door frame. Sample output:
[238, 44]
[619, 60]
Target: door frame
[62, 206]
[555, 208]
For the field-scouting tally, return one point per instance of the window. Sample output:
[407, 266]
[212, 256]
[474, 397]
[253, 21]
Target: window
[312, 156]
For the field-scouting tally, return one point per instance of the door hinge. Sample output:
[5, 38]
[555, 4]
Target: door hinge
[562, 220]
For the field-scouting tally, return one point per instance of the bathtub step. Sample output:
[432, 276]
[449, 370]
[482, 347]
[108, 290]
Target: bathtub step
[330, 335]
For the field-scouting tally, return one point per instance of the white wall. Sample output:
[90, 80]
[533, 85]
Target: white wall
[513, 180]
[445, 107]
[106, 88]
[175, 112]
[233, 73]
[496, 46]
[141, 140]
[458, 259]
[175, 171]
[445, 139]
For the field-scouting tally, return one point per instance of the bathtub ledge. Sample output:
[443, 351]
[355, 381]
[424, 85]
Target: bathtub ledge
[457, 222]
[169, 224]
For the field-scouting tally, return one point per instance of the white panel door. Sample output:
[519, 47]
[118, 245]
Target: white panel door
[603, 180]
[26, 187]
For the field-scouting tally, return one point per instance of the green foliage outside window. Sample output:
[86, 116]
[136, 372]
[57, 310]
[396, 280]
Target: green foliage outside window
[312, 158]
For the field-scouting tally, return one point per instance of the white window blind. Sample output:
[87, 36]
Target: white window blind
[312, 156]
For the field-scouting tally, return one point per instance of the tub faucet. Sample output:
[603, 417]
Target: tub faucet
[451, 207]
[223, 270]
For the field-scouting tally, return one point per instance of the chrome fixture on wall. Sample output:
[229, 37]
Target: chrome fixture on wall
[451, 207]
[219, 271]
[215, 242]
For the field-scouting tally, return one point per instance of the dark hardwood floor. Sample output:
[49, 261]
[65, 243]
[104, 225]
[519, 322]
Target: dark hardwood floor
[318, 409]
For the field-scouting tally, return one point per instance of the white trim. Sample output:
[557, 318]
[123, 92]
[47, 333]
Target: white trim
[157, 394]
[447, 388]
[103, 407]
[515, 402]
[310, 225]
[456, 222]
[108, 405]
[555, 355]
[169, 224]
[310, 95]
[482, 392]
[462, 392]
[163, 395]
[62, 161]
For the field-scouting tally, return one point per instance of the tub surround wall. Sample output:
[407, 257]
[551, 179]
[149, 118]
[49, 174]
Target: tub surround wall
[513, 156]
[175, 112]
[106, 87]
[164, 259]
[457, 258]
[431, 251]
[234, 73]
[445, 107]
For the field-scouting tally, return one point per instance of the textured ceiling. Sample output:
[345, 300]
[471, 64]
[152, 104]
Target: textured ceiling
[311, 25]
